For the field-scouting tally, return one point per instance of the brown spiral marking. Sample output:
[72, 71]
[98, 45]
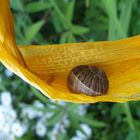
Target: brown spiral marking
[90, 80]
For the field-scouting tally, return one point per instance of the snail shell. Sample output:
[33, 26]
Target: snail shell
[89, 80]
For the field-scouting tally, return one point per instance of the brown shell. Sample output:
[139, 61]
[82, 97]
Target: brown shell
[89, 80]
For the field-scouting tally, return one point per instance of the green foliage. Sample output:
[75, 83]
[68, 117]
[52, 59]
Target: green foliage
[32, 30]
[63, 21]
[34, 7]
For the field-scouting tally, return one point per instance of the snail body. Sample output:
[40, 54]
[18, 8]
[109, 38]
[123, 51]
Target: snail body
[89, 80]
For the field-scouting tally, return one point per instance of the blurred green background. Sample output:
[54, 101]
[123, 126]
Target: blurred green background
[64, 21]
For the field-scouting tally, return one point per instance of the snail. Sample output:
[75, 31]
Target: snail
[89, 80]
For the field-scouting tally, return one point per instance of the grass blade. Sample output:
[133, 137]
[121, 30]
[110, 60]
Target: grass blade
[36, 7]
[33, 30]
[125, 16]
[70, 11]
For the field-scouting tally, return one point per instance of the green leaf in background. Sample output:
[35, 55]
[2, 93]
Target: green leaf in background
[79, 30]
[56, 22]
[71, 37]
[57, 116]
[70, 10]
[136, 29]
[63, 19]
[61, 136]
[17, 5]
[28, 136]
[73, 120]
[39, 95]
[121, 33]
[36, 6]
[111, 9]
[90, 121]
[72, 107]
[131, 136]
[2, 88]
[117, 110]
[32, 31]
[64, 37]
[111, 30]
[87, 3]
[126, 11]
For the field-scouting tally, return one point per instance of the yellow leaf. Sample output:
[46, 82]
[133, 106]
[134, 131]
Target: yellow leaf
[47, 67]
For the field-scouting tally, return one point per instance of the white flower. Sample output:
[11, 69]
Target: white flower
[4, 136]
[82, 110]
[61, 103]
[1, 136]
[53, 135]
[38, 113]
[8, 113]
[25, 127]
[11, 137]
[11, 116]
[52, 101]
[2, 109]
[56, 128]
[38, 104]
[1, 117]
[5, 127]
[51, 106]
[86, 129]
[17, 129]
[76, 138]
[8, 73]
[66, 121]
[48, 115]
[41, 129]
[6, 98]
[87, 132]
[29, 113]
[32, 112]
[80, 135]
[86, 105]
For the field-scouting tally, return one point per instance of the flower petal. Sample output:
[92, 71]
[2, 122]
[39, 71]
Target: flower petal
[47, 67]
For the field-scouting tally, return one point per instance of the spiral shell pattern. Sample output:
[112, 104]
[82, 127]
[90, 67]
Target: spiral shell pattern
[89, 80]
